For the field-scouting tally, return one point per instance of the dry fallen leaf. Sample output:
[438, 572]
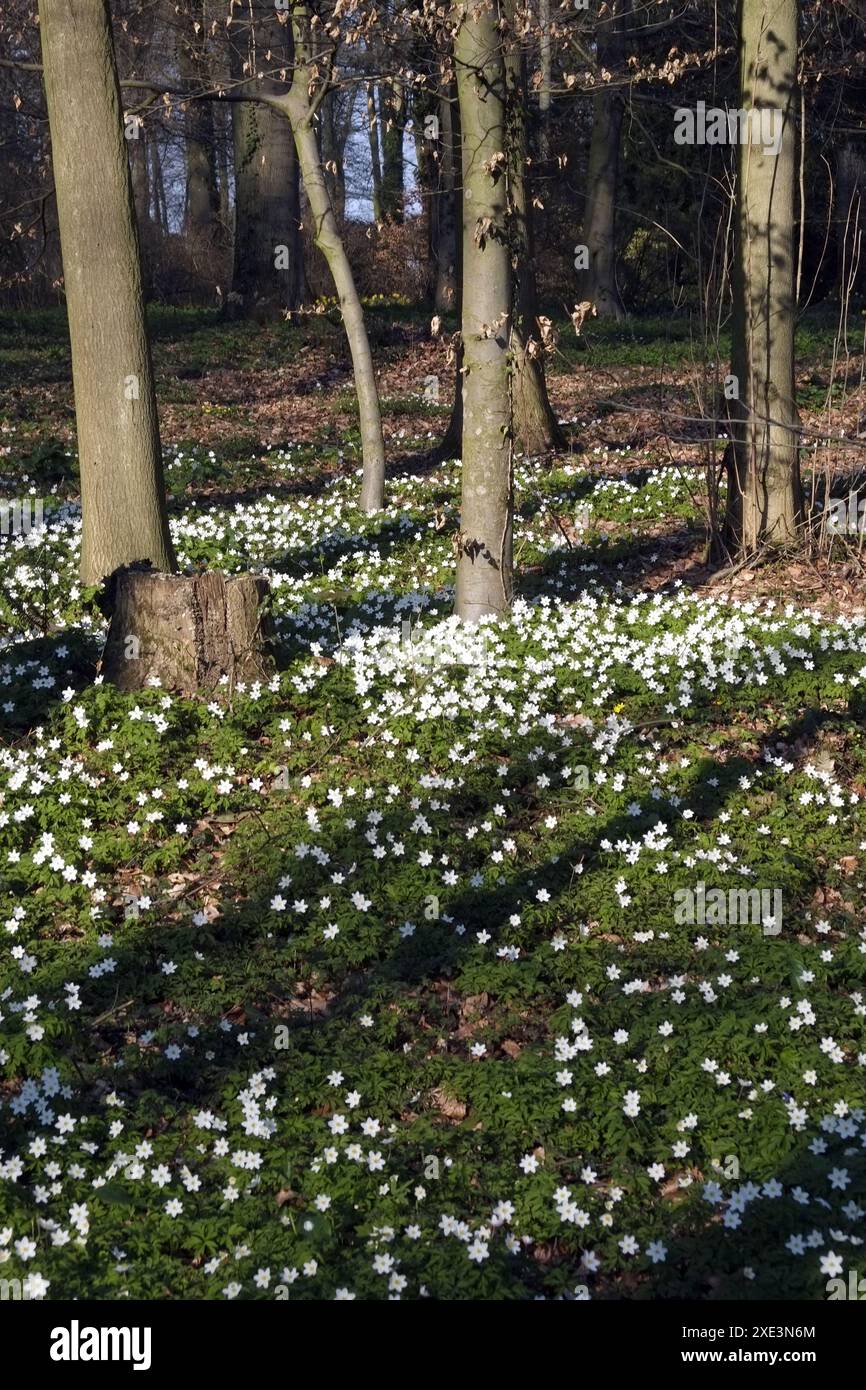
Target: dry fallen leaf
[449, 1106]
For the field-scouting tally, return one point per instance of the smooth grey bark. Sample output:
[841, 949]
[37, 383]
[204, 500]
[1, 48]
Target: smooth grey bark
[122, 489]
[764, 503]
[484, 542]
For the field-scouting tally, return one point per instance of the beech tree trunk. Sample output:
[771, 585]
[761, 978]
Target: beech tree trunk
[268, 275]
[202, 193]
[159, 199]
[484, 542]
[138, 164]
[598, 282]
[545, 54]
[451, 445]
[534, 425]
[337, 111]
[392, 98]
[300, 108]
[764, 502]
[192, 633]
[122, 489]
[445, 211]
[222, 127]
[268, 272]
[375, 152]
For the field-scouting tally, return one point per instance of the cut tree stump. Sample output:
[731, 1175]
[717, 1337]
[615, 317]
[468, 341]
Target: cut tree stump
[188, 631]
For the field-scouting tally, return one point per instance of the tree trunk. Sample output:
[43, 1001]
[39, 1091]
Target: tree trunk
[451, 445]
[202, 194]
[764, 503]
[393, 115]
[337, 111]
[223, 172]
[534, 425]
[159, 200]
[188, 632]
[546, 61]
[138, 162]
[140, 188]
[484, 542]
[375, 152]
[327, 237]
[849, 217]
[122, 489]
[598, 282]
[445, 209]
[268, 276]
[300, 107]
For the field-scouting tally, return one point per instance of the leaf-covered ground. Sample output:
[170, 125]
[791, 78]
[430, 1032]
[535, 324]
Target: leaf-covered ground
[371, 982]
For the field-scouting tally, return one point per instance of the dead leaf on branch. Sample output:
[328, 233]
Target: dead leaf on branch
[548, 333]
[483, 227]
[495, 164]
[490, 330]
[580, 312]
[451, 346]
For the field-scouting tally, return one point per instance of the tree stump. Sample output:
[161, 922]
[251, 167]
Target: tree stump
[188, 631]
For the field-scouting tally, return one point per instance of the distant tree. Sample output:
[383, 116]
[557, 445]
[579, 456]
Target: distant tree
[268, 273]
[599, 282]
[392, 98]
[202, 208]
[446, 202]
[534, 425]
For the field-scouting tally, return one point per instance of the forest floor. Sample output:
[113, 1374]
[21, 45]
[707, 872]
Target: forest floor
[403, 975]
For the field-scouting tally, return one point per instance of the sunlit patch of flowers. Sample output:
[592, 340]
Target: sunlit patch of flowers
[366, 982]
